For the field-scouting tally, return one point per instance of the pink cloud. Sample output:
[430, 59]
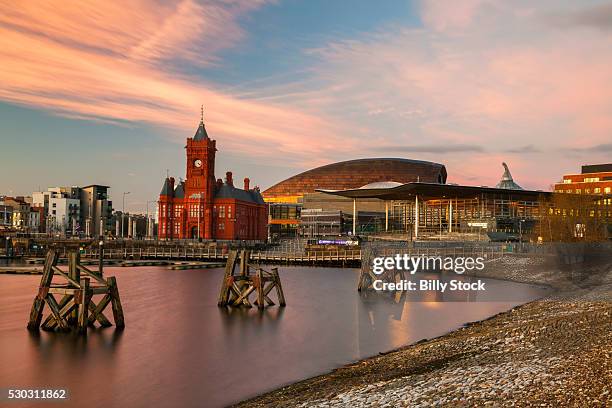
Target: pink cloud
[484, 73]
[105, 61]
[442, 15]
[476, 73]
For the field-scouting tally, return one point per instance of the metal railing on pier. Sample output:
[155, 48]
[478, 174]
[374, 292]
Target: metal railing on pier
[214, 254]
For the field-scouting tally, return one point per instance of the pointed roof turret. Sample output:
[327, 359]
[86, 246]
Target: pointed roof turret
[168, 187]
[506, 181]
[201, 132]
[179, 191]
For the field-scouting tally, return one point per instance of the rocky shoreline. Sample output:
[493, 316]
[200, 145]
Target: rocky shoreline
[551, 352]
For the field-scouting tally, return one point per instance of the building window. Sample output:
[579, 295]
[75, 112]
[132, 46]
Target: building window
[607, 190]
[597, 190]
[578, 191]
[229, 211]
[567, 181]
[221, 213]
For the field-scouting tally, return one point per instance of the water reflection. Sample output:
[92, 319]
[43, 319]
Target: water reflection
[180, 349]
[237, 315]
[241, 323]
[73, 344]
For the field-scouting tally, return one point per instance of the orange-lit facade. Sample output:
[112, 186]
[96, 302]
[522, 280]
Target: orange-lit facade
[202, 207]
[594, 180]
[286, 197]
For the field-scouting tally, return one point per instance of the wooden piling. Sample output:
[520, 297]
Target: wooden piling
[75, 274]
[279, 287]
[76, 309]
[116, 302]
[236, 289]
[45, 282]
[85, 294]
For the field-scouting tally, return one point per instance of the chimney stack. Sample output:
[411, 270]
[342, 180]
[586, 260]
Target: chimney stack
[246, 183]
[228, 179]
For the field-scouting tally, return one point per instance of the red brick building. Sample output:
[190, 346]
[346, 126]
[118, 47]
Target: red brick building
[208, 208]
[594, 179]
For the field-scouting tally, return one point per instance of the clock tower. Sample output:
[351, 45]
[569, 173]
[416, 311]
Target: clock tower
[204, 208]
[200, 183]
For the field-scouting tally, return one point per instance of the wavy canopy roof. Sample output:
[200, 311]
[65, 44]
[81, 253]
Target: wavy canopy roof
[357, 173]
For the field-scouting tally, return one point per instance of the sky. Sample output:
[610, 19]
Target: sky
[107, 92]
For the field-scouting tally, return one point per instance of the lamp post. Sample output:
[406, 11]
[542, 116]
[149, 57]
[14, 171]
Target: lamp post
[101, 256]
[123, 211]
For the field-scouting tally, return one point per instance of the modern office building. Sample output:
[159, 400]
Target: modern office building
[202, 207]
[593, 179]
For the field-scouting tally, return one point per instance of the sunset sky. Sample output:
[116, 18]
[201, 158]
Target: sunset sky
[106, 92]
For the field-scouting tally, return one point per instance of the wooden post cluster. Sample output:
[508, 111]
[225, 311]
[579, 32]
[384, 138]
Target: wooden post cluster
[367, 276]
[77, 308]
[236, 288]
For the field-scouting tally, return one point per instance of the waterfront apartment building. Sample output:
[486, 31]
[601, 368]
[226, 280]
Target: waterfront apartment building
[61, 209]
[594, 179]
[96, 210]
[202, 207]
[74, 210]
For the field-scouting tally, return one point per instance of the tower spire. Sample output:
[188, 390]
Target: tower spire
[201, 132]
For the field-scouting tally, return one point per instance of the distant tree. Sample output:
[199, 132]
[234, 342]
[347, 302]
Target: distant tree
[574, 218]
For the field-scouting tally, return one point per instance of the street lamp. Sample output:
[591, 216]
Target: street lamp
[101, 256]
[123, 211]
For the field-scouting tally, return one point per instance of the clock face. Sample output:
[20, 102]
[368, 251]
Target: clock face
[198, 163]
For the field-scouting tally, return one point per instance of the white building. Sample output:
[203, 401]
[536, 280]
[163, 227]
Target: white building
[63, 214]
[62, 208]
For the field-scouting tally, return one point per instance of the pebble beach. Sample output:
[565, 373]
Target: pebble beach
[556, 351]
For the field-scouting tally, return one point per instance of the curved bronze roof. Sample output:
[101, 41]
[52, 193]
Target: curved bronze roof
[354, 174]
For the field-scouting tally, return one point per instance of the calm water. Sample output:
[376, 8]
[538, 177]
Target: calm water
[180, 349]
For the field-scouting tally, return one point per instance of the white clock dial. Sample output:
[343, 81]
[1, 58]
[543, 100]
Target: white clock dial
[198, 163]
